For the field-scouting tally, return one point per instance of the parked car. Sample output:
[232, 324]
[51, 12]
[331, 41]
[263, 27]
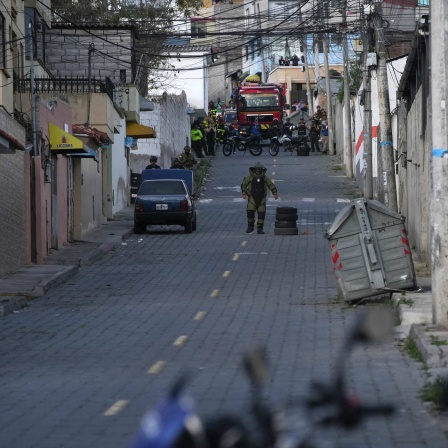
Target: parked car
[164, 202]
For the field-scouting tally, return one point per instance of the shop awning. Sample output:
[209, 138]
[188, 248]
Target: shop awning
[91, 153]
[63, 142]
[136, 130]
[243, 76]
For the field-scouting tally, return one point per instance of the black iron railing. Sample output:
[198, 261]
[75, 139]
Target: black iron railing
[68, 85]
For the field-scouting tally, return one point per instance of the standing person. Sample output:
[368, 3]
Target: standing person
[152, 164]
[204, 149]
[196, 139]
[255, 129]
[301, 128]
[221, 131]
[276, 129]
[287, 63]
[314, 135]
[255, 188]
[187, 159]
[281, 61]
[211, 139]
[295, 60]
[324, 131]
[176, 165]
[287, 130]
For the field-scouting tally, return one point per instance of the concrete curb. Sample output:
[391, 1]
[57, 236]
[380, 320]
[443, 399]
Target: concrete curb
[127, 234]
[21, 287]
[9, 304]
[96, 254]
[413, 307]
[55, 280]
[432, 345]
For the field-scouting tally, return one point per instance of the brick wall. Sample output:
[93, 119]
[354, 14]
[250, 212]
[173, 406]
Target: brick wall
[12, 212]
[172, 125]
[67, 51]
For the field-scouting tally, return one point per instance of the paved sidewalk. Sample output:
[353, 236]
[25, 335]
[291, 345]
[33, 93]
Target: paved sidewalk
[35, 280]
[414, 311]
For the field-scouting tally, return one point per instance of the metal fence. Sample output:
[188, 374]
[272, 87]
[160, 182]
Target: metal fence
[68, 85]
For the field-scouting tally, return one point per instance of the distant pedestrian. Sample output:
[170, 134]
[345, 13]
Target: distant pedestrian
[153, 164]
[295, 60]
[196, 139]
[281, 61]
[314, 132]
[324, 132]
[176, 165]
[255, 188]
[187, 159]
[211, 138]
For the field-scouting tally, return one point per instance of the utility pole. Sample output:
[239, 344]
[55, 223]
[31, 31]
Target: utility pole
[367, 156]
[386, 145]
[304, 48]
[316, 64]
[309, 94]
[35, 153]
[33, 94]
[329, 98]
[439, 162]
[91, 50]
[348, 148]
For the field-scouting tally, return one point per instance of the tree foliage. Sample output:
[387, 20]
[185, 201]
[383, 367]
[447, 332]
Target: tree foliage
[355, 76]
[155, 19]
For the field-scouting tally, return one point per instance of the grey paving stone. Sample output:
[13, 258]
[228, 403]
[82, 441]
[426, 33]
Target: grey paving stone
[90, 342]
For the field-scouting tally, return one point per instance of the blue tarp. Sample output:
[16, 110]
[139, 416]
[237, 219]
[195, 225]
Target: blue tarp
[185, 175]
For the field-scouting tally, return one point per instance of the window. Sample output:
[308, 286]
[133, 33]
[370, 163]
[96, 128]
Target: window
[2, 42]
[198, 28]
[281, 10]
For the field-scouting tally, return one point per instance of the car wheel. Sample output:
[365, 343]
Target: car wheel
[287, 210]
[139, 227]
[289, 231]
[189, 227]
[285, 224]
[284, 217]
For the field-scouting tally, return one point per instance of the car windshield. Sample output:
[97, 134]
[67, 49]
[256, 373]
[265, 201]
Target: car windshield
[155, 187]
[229, 117]
[265, 100]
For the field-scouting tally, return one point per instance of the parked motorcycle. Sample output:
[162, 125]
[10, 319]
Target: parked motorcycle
[243, 143]
[175, 424]
[293, 143]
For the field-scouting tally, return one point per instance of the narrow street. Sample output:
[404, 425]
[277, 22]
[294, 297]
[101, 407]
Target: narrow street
[81, 365]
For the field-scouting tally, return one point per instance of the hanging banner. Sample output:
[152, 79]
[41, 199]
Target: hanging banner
[130, 143]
